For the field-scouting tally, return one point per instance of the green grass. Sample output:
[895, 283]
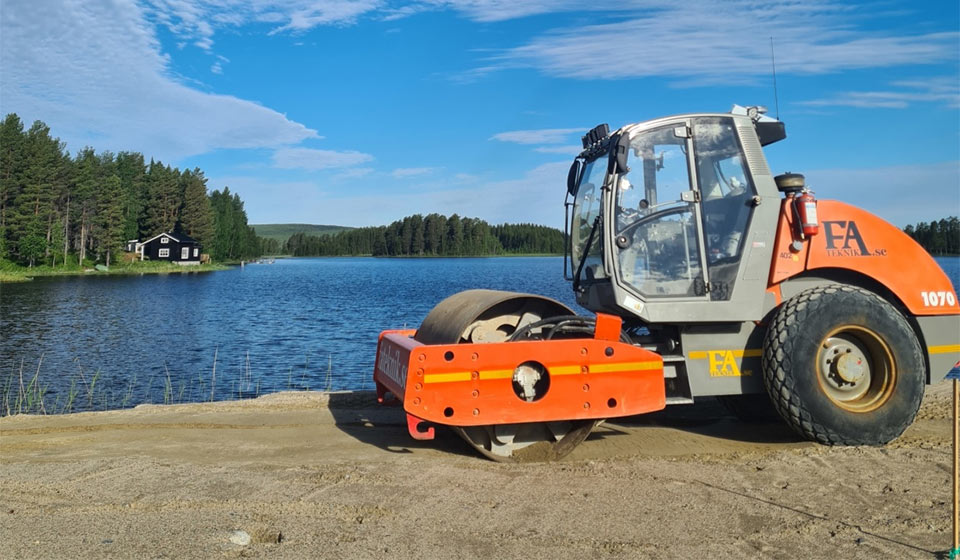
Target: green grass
[282, 232]
[11, 272]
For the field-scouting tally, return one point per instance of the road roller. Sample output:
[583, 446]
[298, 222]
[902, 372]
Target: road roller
[707, 277]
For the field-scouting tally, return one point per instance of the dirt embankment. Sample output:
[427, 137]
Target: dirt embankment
[336, 477]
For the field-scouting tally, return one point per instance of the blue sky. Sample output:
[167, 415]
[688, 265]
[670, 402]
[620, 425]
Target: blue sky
[359, 112]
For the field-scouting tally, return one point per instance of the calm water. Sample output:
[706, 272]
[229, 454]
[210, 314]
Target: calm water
[295, 324]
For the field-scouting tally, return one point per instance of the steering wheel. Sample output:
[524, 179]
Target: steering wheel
[627, 231]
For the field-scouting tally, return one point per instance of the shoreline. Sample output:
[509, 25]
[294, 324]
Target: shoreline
[11, 273]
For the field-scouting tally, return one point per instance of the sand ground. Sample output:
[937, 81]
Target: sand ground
[335, 476]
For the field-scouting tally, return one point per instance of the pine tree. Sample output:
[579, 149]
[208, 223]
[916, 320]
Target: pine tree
[132, 172]
[110, 222]
[164, 199]
[84, 198]
[454, 236]
[196, 216]
[12, 159]
[32, 217]
[416, 240]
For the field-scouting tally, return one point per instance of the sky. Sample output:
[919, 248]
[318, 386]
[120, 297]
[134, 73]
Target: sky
[360, 112]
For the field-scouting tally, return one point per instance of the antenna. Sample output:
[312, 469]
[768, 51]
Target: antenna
[773, 62]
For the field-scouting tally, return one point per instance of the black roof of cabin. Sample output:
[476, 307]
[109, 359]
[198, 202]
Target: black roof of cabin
[183, 238]
[180, 238]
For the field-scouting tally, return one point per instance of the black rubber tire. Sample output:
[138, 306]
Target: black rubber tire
[791, 373]
[754, 408]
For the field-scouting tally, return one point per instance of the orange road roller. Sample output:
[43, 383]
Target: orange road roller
[709, 277]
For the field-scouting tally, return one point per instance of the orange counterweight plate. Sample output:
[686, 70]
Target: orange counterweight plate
[472, 384]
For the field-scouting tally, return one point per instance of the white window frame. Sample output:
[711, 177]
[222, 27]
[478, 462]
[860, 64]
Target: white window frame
[164, 240]
[184, 253]
[163, 253]
[196, 252]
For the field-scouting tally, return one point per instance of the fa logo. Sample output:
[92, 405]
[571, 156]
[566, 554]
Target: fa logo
[845, 233]
[723, 363]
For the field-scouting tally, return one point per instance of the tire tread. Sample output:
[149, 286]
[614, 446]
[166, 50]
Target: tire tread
[778, 364]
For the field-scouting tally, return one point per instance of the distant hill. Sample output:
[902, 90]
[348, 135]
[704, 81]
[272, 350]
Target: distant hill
[282, 232]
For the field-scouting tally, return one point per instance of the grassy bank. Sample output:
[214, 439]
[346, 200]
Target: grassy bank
[11, 272]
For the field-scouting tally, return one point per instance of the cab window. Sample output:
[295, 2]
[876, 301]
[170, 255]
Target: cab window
[657, 226]
[727, 193]
[586, 210]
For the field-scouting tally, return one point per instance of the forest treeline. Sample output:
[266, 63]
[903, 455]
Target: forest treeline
[58, 209]
[938, 238]
[431, 235]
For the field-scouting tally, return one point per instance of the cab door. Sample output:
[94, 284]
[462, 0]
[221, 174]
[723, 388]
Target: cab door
[657, 234]
[695, 218]
[728, 196]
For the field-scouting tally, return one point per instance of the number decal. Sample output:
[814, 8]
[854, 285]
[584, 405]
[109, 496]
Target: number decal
[938, 299]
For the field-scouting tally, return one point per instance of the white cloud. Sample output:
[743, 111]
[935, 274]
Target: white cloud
[501, 10]
[536, 197]
[465, 178]
[308, 158]
[543, 136]
[412, 171]
[726, 41]
[934, 90]
[94, 72]
[311, 14]
[570, 150]
[903, 194]
[199, 19]
[353, 173]
[216, 68]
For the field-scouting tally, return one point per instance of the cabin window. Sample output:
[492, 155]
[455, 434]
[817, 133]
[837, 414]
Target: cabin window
[164, 253]
[196, 251]
[164, 240]
[185, 253]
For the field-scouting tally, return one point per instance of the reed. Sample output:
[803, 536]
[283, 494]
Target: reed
[27, 390]
[213, 376]
[167, 386]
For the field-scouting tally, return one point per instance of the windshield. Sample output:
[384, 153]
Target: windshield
[586, 210]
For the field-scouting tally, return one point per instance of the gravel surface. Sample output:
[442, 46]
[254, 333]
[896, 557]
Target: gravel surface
[311, 475]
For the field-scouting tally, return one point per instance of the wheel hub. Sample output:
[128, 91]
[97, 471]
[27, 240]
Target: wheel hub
[855, 369]
[850, 368]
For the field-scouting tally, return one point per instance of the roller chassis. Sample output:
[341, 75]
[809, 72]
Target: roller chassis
[685, 308]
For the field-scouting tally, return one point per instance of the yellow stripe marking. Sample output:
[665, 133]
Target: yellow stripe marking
[945, 349]
[497, 374]
[631, 366]
[557, 370]
[446, 377]
[749, 353]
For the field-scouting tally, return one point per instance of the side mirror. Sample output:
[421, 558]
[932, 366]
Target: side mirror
[618, 154]
[574, 176]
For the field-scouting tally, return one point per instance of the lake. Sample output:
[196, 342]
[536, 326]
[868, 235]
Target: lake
[295, 324]
[113, 342]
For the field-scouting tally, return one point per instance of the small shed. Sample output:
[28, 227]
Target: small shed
[175, 247]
